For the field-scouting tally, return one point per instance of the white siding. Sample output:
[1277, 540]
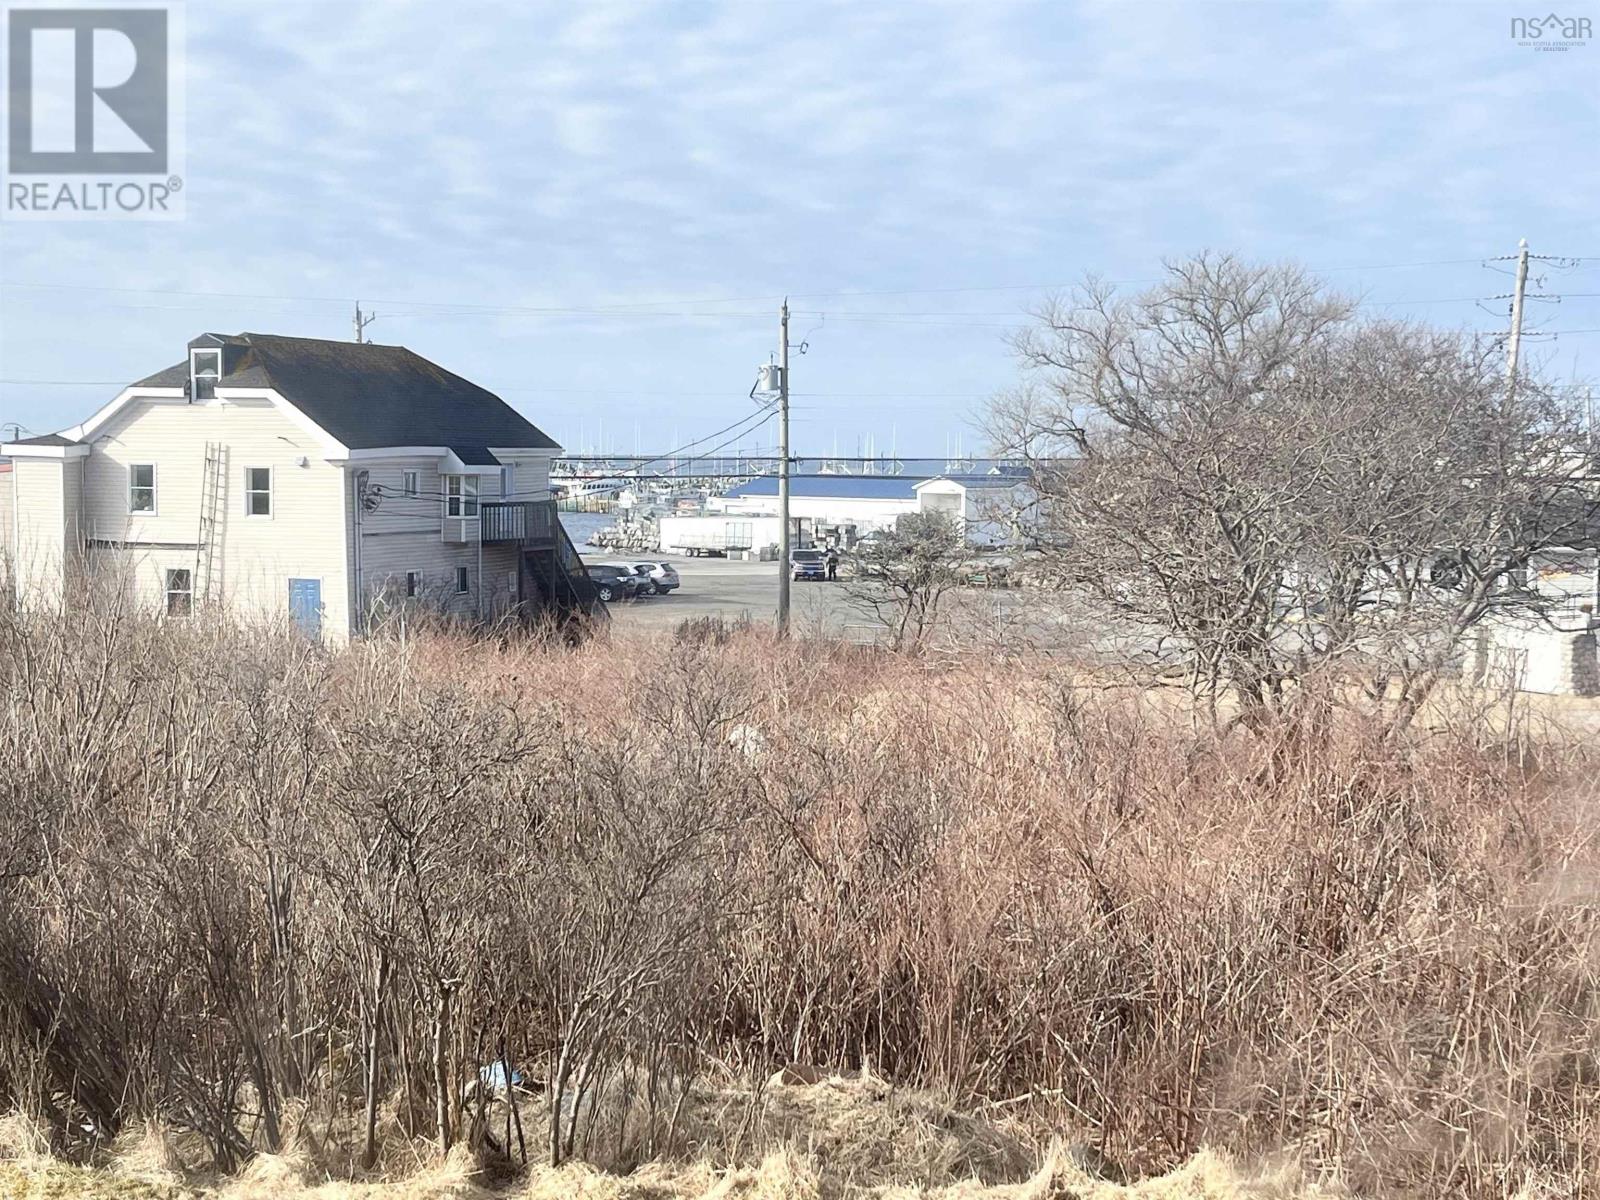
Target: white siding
[407, 534]
[45, 543]
[8, 510]
[530, 477]
[304, 537]
[310, 532]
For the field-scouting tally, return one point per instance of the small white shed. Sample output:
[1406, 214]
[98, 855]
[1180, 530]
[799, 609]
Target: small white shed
[997, 510]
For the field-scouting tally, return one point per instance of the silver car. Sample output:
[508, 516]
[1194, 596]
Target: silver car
[663, 576]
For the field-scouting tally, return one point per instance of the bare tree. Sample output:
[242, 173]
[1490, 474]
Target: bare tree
[1276, 493]
[901, 578]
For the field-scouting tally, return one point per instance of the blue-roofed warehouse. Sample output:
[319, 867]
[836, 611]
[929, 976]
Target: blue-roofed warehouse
[827, 507]
[840, 508]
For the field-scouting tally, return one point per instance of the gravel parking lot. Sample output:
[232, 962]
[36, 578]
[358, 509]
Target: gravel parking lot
[1004, 619]
[718, 587]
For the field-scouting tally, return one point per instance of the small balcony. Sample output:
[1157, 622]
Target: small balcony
[530, 522]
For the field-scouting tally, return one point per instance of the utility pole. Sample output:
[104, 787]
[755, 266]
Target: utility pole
[783, 470]
[362, 322]
[1514, 344]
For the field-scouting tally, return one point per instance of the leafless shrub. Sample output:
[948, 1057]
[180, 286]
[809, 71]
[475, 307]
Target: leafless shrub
[284, 898]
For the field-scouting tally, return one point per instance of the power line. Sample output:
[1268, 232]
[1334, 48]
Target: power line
[441, 307]
[767, 415]
[762, 413]
[632, 308]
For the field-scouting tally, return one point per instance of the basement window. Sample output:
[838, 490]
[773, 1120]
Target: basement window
[180, 592]
[142, 488]
[258, 491]
[461, 581]
[413, 584]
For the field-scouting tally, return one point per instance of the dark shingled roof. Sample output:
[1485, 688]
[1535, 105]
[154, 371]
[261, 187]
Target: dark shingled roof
[49, 439]
[367, 395]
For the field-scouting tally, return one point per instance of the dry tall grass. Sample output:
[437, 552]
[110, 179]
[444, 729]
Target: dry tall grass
[271, 895]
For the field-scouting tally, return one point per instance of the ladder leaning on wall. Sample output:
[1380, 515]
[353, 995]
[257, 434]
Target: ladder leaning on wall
[213, 476]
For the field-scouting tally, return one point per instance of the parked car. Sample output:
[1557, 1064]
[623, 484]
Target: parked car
[638, 581]
[647, 585]
[663, 576]
[808, 564]
[613, 582]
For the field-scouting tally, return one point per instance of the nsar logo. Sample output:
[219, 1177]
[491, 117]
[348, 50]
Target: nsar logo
[1551, 32]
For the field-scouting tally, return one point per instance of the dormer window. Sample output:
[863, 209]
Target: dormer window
[205, 368]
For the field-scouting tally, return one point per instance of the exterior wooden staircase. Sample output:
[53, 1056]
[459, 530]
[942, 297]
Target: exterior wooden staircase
[552, 579]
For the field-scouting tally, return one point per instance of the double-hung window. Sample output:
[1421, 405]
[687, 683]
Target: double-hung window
[206, 368]
[258, 491]
[180, 592]
[460, 495]
[142, 488]
[410, 483]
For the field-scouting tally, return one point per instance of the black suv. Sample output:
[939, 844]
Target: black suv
[611, 583]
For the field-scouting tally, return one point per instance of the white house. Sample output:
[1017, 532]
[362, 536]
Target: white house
[283, 476]
[995, 510]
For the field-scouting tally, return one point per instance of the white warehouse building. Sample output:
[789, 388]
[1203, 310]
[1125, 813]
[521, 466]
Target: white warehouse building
[844, 507]
[844, 502]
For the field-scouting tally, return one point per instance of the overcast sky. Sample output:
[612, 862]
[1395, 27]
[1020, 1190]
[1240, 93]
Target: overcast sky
[913, 175]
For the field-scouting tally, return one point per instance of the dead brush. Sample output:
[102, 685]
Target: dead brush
[288, 901]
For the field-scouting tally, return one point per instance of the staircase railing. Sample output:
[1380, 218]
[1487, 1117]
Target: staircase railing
[584, 593]
[532, 522]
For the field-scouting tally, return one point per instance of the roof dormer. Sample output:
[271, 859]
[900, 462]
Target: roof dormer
[207, 365]
[205, 368]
